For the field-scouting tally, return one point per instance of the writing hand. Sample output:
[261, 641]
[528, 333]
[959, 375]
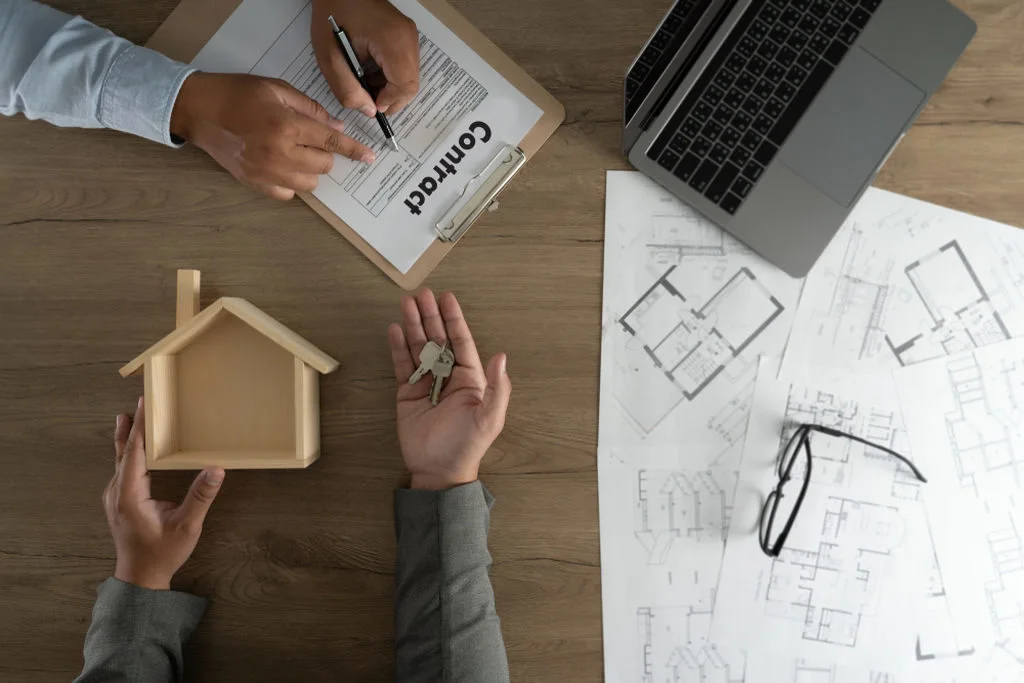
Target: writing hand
[379, 31]
[442, 446]
[266, 133]
[152, 538]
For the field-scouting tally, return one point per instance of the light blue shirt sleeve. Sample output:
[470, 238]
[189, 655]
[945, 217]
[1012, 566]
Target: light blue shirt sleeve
[72, 73]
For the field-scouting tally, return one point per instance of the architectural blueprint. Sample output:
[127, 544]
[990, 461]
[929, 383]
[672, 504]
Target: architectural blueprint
[687, 312]
[970, 434]
[905, 281]
[845, 587]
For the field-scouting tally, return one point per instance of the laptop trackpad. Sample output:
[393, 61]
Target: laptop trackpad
[850, 127]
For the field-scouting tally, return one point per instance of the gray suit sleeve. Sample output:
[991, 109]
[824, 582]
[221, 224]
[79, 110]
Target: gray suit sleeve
[446, 627]
[137, 634]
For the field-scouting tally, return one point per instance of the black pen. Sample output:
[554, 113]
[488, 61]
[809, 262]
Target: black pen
[353, 63]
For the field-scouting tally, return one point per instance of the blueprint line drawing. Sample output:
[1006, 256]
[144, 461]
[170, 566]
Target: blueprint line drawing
[674, 648]
[904, 282]
[679, 504]
[842, 590]
[690, 345]
[960, 308]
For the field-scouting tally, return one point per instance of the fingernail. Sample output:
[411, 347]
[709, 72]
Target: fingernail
[503, 365]
[117, 421]
[368, 110]
[383, 109]
[337, 125]
[368, 158]
[139, 405]
[213, 478]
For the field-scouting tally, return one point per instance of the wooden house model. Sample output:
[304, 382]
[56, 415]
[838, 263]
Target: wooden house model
[230, 387]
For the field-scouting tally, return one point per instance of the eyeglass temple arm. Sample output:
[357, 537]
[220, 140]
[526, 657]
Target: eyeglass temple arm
[835, 432]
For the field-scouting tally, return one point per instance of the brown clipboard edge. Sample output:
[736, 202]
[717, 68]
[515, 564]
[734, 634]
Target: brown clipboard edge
[193, 22]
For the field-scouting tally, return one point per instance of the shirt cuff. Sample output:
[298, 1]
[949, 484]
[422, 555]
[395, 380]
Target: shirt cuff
[139, 93]
[162, 611]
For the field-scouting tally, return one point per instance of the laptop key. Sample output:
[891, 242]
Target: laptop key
[711, 130]
[745, 83]
[772, 107]
[802, 5]
[841, 10]
[714, 94]
[679, 143]
[819, 8]
[661, 39]
[702, 111]
[797, 41]
[807, 60]
[764, 88]
[763, 124]
[769, 13]
[752, 105]
[758, 30]
[859, 17]
[790, 18]
[723, 114]
[742, 186]
[703, 175]
[835, 52]
[746, 46]
[829, 27]
[720, 185]
[765, 153]
[742, 120]
[778, 34]
[691, 126]
[800, 102]
[739, 156]
[701, 146]
[752, 171]
[687, 166]
[848, 33]
[774, 74]
[757, 65]
[819, 43]
[785, 91]
[734, 98]
[730, 203]
[736, 62]
[796, 75]
[870, 5]
[751, 140]
[668, 159]
[724, 79]
[719, 153]
[786, 56]
[730, 137]
[809, 24]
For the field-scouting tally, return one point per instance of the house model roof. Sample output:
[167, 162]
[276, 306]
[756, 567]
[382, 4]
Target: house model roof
[247, 313]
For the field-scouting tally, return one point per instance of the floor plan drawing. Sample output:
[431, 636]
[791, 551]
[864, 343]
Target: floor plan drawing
[964, 316]
[689, 344]
[972, 435]
[681, 505]
[674, 648]
[903, 282]
[843, 588]
[687, 312]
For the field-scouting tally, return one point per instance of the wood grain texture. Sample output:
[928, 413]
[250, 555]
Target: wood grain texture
[94, 225]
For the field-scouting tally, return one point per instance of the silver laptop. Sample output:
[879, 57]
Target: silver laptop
[771, 117]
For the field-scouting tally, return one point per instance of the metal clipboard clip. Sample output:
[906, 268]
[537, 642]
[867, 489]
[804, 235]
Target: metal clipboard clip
[491, 180]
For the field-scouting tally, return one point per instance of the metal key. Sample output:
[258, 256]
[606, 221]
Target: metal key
[428, 359]
[442, 370]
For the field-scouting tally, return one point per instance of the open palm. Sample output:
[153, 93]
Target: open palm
[442, 445]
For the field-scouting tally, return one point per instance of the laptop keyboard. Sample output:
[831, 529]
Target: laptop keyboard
[754, 91]
[659, 52]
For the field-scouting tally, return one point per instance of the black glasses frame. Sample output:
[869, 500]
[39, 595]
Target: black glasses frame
[801, 441]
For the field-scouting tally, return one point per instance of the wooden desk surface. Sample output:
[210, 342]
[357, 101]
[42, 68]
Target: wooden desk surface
[93, 225]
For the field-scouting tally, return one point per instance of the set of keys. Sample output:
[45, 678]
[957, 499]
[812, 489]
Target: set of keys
[438, 361]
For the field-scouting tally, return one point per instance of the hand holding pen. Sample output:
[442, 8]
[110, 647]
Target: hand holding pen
[352, 61]
[374, 29]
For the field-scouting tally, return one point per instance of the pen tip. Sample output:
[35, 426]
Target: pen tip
[394, 144]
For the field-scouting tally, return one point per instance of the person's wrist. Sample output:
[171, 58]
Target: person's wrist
[441, 481]
[183, 112]
[157, 581]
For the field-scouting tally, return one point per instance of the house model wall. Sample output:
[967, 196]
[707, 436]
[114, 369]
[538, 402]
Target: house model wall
[230, 387]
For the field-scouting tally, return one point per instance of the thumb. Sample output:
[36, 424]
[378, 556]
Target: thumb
[499, 388]
[307, 106]
[200, 497]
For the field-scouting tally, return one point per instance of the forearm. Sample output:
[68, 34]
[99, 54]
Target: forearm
[138, 634]
[69, 72]
[446, 626]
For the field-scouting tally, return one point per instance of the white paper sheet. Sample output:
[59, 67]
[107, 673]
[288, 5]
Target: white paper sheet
[687, 311]
[964, 416]
[462, 116]
[845, 588]
[905, 281]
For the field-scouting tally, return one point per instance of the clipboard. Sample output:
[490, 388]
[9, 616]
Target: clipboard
[193, 22]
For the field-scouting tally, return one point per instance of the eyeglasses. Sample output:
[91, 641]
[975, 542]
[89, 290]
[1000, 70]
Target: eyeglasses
[801, 442]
